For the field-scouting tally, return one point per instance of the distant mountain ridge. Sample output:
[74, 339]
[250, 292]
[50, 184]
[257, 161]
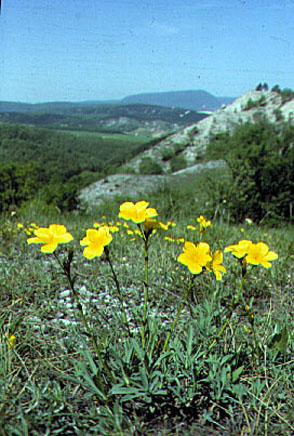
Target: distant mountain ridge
[56, 107]
[198, 100]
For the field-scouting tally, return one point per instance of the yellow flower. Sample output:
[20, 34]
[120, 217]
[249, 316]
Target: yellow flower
[169, 239]
[163, 226]
[195, 257]
[171, 224]
[190, 227]
[216, 266]
[34, 226]
[151, 225]
[113, 229]
[19, 226]
[51, 237]
[95, 241]
[239, 250]
[203, 223]
[180, 240]
[259, 254]
[138, 212]
[11, 341]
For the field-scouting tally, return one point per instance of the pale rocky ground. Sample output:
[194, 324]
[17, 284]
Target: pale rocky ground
[132, 186]
[190, 142]
[194, 139]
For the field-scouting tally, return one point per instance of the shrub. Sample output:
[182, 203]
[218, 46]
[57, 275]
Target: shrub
[278, 114]
[177, 163]
[261, 160]
[167, 155]
[255, 103]
[287, 94]
[18, 183]
[63, 196]
[148, 166]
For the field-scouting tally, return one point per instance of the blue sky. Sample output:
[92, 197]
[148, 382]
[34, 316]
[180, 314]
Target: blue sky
[106, 49]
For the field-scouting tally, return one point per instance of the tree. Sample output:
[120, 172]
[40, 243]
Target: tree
[276, 88]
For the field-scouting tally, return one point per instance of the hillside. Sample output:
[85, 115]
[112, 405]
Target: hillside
[195, 100]
[189, 144]
[82, 157]
[55, 165]
[135, 118]
[65, 151]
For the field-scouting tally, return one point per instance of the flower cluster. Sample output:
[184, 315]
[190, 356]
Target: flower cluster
[199, 258]
[203, 224]
[254, 254]
[95, 241]
[50, 237]
[29, 229]
[137, 212]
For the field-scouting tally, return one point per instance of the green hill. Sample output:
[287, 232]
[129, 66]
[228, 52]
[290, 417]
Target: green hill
[97, 117]
[57, 163]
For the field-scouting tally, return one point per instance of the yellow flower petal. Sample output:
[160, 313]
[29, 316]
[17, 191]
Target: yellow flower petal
[49, 248]
[93, 251]
[34, 241]
[84, 241]
[57, 229]
[259, 254]
[142, 204]
[271, 255]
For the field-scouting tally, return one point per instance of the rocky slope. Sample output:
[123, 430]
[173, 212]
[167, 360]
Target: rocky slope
[133, 186]
[192, 141]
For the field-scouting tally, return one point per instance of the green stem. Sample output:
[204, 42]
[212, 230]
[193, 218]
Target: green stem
[146, 283]
[177, 317]
[230, 314]
[250, 317]
[66, 267]
[146, 292]
[119, 292]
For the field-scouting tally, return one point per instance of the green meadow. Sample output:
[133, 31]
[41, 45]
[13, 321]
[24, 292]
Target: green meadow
[123, 344]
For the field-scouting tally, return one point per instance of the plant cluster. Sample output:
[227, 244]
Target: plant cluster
[261, 160]
[195, 366]
[251, 104]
